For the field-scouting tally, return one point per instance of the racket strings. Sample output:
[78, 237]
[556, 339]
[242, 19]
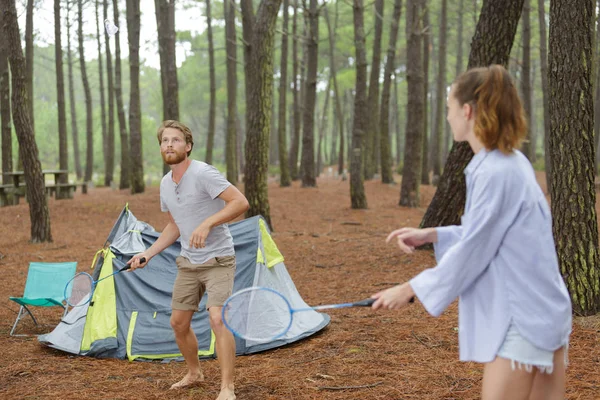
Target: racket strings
[79, 290]
[257, 315]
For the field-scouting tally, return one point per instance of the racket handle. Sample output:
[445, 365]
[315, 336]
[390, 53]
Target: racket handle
[364, 303]
[125, 268]
[412, 299]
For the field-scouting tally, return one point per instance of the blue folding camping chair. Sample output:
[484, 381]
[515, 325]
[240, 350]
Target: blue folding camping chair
[44, 287]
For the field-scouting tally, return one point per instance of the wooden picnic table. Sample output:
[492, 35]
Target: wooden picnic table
[60, 190]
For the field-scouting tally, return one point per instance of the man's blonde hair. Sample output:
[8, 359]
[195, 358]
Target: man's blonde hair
[171, 123]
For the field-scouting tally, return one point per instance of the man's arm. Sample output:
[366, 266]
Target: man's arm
[235, 204]
[167, 237]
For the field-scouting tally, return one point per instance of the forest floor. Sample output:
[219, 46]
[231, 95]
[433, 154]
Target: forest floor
[334, 254]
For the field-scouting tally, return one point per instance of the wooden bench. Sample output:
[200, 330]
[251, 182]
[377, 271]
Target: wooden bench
[65, 189]
[9, 194]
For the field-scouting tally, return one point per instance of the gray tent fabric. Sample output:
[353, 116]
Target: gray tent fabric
[143, 298]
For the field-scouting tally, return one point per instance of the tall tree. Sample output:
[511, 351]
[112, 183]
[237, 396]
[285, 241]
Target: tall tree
[371, 134]
[125, 179]
[259, 36]
[101, 87]
[336, 92]
[358, 197]
[284, 177]
[110, 132]
[63, 154]
[491, 44]
[575, 225]
[5, 124]
[427, 40]
[230, 46]
[28, 151]
[88, 97]
[210, 141]
[440, 120]
[310, 97]
[29, 59]
[386, 154]
[165, 22]
[295, 145]
[135, 112]
[528, 148]
[74, 130]
[459, 70]
[411, 173]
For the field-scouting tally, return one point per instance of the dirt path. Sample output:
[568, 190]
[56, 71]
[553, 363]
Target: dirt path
[333, 254]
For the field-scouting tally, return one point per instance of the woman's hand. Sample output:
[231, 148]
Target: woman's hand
[409, 238]
[393, 298]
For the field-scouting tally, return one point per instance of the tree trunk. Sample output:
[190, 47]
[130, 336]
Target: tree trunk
[440, 119]
[459, 70]
[63, 154]
[259, 34]
[425, 164]
[386, 157]
[29, 60]
[527, 148]
[398, 125]
[284, 177]
[135, 112]
[411, 173]
[88, 97]
[210, 140]
[110, 134]
[572, 152]
[596, 96]
[338, 103]
[34, 179]
[125, 178]
[74, 130]
[491, 44]
[231, 43]
[322, 129]
[295, 101]
[102, 100]
[357, 190]
[310, 97]
[5, 124]
[372, 128]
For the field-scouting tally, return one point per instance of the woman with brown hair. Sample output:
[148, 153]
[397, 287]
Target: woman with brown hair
[514, 308]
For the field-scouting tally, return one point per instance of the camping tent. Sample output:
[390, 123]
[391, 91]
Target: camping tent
[129, 313]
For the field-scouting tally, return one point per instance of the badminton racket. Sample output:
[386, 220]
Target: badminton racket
[263, 314]
[80, 289]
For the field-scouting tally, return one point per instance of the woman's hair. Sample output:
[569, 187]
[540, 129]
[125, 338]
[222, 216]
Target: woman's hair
[171, 123]
[500, 121]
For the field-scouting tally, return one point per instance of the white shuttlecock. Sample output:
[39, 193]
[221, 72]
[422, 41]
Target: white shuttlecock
[111, 28]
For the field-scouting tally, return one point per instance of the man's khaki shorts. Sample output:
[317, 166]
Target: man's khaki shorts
[214, 276]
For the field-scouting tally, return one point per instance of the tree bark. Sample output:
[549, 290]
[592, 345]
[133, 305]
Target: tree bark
[101, 81]
[572, 152]
[310, 98]
[210, 140]
[29, 60]
[28, 150]
[425, 160]
[5, 123]
[386, 156]
[295, 145]
[411, 173]
[88, 98]
[74, 130]
[231, 43]
[135, 112]
[63, 154]
[284, 177]
[527, 148]
[358, 197]
[109, 168]
[491, 44]
[259, 35]
[372, 128]
[125, 178]
[440, 119]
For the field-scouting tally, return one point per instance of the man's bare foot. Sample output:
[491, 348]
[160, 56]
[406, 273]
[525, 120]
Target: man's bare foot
[189, 380]
[227, 393]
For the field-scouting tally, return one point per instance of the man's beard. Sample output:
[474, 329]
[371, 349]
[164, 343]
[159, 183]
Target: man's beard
[173, 158]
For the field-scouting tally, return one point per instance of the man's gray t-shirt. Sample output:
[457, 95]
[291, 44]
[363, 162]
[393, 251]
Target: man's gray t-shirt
[192, 201]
